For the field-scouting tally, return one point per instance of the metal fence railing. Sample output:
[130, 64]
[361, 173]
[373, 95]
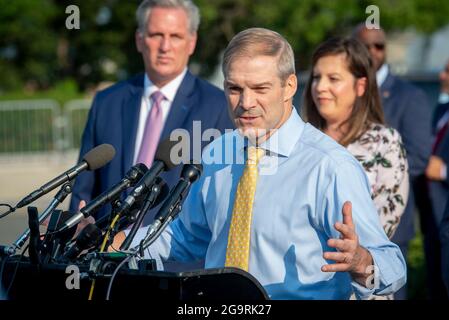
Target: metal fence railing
[75, 115]
[30, 127]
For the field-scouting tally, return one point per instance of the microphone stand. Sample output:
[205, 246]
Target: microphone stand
[116, 204]
[149, 201]
[156, 228]
[65, 190]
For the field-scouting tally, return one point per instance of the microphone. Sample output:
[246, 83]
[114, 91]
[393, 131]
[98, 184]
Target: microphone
[159, 191]
[7, 251]
[66, 189]
[89, 237]
[162, 162]
[54, 242]
[131, 177]
[172, 206]
[94, 159]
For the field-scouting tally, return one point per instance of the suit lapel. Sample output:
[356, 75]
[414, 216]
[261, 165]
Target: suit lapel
[181, 106]
[130, 120]
[385, 89]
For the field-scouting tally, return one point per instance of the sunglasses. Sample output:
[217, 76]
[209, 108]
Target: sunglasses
[378, 46]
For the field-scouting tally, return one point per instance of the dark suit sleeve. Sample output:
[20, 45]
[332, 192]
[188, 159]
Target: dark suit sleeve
[416, 132]
[444, 237]
[440, 110]
[84, 186]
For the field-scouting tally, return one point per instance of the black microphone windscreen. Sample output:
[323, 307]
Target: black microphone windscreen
[89, 236]
[192, 172]
[165, 190]
[99, 156]
[163, 153]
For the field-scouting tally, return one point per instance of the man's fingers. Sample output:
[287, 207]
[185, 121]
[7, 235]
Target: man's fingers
[335, 256]
[347, 214]
[346, 231]
[336, 267]
[338, 244]
[82, 204]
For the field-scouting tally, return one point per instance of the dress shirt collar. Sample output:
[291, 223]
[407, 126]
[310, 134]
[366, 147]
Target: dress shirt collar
[285, 138]
[443, 98]
[382, 74]
[169, 90]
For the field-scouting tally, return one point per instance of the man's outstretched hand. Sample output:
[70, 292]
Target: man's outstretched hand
[350, 256]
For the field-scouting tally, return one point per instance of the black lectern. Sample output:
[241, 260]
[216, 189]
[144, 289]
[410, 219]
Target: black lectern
[52, 282]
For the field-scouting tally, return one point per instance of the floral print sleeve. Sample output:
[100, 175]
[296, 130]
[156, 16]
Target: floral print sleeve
[382, 155]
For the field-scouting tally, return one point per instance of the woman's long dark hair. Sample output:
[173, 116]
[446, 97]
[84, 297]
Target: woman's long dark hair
[367, 108]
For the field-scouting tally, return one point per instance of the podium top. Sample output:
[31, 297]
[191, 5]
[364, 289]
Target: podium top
[55, 281]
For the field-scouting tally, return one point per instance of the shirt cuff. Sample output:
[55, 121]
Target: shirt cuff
[387, 277]
[364, 292]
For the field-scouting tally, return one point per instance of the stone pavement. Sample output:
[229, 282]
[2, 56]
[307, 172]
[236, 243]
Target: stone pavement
[21, 175]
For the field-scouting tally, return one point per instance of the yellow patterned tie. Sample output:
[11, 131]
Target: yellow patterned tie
[237, 253]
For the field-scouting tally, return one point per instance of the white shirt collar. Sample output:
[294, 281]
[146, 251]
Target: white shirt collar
[169, 90]
[382, 74]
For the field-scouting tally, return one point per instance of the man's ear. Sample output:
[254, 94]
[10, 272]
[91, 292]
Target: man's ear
[290, 87]
[360, 86]
[138, 37]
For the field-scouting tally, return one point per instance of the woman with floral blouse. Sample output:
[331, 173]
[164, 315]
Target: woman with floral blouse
[341, 99]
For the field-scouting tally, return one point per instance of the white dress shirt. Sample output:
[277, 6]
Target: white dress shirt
[169, 91]
[382, 74]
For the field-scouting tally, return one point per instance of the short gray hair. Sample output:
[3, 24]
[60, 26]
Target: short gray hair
[192, 11]
[261, 42]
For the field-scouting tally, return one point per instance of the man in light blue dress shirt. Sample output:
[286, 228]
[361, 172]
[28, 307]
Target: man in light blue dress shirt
[306, 241]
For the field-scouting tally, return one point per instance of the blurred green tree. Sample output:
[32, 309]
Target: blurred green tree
[27, 44]
[37, 50]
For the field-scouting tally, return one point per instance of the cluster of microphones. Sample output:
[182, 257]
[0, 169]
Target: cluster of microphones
[140, 190]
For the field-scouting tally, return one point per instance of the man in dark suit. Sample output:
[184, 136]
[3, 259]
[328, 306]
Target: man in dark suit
[437, 168]
[128, 116]
[407, 110]
[437, 172]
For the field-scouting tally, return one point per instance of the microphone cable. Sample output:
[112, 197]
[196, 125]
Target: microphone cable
[102, 248]
[6, 293]
[11, 210]
[135, 253]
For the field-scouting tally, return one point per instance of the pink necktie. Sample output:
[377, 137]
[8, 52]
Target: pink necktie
[153, 130]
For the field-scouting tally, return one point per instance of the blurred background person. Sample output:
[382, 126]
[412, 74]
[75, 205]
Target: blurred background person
[407, 110]
[437, 169]
[134, 115]
[342, 100]
[436, 172]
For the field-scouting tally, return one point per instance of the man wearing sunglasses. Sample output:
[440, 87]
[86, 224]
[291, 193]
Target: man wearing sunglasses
[437, 172]
[407, 110]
